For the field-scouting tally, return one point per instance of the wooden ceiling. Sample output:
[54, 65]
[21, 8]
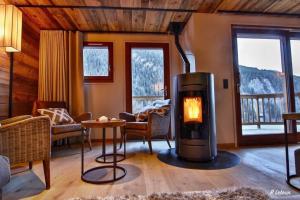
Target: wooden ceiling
[113, 20]
[138, 15]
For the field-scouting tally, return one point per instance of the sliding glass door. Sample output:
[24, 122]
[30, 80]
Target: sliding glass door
[267, 79]
[262, 83]
[295, 55]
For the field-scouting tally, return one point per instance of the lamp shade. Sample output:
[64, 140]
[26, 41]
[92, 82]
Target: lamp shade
[10, 28]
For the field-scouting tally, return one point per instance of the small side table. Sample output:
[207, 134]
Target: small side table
[88, 176]
[289, 117]
[103, 157]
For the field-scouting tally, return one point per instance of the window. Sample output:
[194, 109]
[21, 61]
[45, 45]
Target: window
[147, 74]
[98, 62]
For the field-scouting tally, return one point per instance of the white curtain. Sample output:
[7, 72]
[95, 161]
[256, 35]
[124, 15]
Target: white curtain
[61, 69]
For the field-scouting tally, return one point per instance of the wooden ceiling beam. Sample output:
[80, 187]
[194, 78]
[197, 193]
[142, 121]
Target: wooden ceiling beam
[270, 6]
[259, 13]
[217, 6]
[107, 8]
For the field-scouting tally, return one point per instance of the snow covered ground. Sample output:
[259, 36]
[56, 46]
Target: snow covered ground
[264, 129]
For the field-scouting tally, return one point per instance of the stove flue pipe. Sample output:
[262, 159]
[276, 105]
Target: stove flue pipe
[176, 28]
[182, 54]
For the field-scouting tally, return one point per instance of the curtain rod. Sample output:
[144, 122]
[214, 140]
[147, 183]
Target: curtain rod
[109, 32]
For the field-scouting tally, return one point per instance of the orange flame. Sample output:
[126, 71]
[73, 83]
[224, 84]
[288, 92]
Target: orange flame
[192, 107]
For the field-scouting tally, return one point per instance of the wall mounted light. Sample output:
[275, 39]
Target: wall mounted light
[10, 28]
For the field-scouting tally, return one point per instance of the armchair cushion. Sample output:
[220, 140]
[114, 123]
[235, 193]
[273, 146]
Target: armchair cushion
[4, 171]
[136, 125]
[65, 128]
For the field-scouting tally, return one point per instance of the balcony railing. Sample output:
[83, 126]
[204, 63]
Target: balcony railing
[263, 109]
[259, 109]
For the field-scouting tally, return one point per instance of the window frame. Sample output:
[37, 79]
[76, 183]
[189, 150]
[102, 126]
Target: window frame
[285, 34]
[103, 79]
[128, 76]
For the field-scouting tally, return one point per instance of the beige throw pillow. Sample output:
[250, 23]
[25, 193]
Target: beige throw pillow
[58, 116]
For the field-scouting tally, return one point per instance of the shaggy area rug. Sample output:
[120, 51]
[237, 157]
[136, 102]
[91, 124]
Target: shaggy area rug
[235, 194]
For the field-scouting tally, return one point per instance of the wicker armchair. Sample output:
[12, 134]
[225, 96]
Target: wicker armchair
[25, 139]
[157, 126]
[65, 131]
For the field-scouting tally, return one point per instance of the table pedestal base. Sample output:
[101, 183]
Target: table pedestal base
[93, 179]
[288, 181]
[97, 175]
[103, 158]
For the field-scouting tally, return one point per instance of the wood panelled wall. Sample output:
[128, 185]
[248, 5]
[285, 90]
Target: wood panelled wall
[4, 83]
[25, 73]
[26, 64]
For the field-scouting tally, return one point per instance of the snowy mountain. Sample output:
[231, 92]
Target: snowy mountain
[257, 81]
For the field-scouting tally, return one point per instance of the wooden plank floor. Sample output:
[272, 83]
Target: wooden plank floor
[260, 167]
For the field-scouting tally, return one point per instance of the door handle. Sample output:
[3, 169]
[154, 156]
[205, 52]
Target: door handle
[166, 91]
[238, 85]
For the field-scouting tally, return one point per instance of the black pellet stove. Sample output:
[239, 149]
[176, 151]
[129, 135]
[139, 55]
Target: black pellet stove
[194, 109]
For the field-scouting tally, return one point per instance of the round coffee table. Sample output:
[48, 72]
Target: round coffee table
[89, 176]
